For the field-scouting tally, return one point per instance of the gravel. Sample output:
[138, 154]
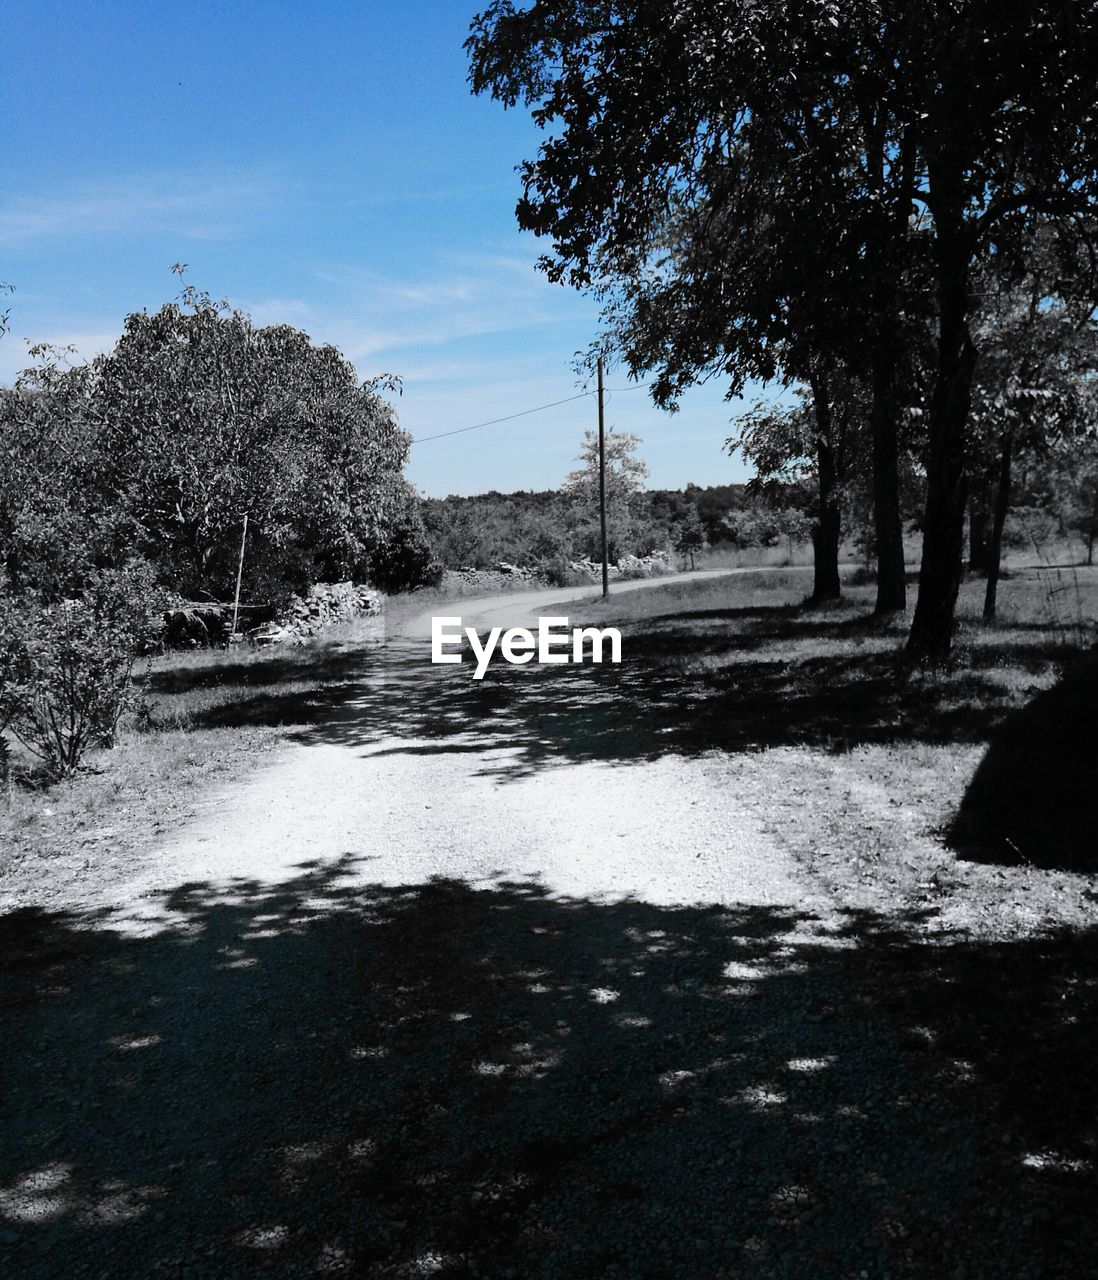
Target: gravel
[420, 997]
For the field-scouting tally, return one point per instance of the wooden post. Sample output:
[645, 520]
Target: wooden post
[239, 573]
[602, 490]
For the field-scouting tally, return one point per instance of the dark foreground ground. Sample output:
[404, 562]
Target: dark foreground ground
[437, 1079]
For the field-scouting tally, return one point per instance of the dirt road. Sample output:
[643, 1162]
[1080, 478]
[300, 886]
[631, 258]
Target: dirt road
[476, 979]
[423, 774]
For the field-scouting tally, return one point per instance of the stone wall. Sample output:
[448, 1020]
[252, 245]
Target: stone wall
[510, 577]
[323, 605]
[627, 567]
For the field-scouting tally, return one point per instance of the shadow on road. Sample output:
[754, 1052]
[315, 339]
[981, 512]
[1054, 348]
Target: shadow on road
[736, 680]
[665, 698]
[438, 1079]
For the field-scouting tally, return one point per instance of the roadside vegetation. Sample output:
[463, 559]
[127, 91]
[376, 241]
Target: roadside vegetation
[200, 719]
[200, 459]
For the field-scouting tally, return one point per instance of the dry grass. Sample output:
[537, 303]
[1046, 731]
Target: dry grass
[207, 715]
[869, 762]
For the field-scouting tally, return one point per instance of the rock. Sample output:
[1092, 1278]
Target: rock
[323, 604]
[270, 633]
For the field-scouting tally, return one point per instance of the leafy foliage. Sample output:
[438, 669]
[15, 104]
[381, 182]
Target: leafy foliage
[206, 417]
[625, 476]
[66, 669]
[546, 530]
[768, 190]
[194, 419]
[54, 525]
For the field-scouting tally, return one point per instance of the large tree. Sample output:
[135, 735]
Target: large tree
[885, 148]
[1033, 395]
[193, 421]
[206, 418]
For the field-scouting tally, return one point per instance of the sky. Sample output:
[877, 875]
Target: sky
[322, 165]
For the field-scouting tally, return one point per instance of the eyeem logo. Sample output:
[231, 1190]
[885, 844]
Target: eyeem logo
[553, 644]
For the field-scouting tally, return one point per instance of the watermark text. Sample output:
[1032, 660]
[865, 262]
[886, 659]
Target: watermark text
[553, 644]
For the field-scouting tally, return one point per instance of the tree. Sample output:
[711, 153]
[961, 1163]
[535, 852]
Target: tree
[708, 219]
[195, 419]
[53, 528]
[204, 418]
[811, 441]
[1032, 393]
[1077, 495]
[625, 476]
[878, 150]
[66, 668]
[688, 534]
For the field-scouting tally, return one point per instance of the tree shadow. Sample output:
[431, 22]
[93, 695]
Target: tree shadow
[738, 679]
[327, 1077]
[328, 662]
[1032, 796]
[691, 701]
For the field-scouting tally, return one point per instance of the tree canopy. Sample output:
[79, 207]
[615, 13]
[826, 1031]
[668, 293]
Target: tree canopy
[194, 419]
[754, 187]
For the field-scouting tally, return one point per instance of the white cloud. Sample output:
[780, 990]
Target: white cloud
[202, 206]
[367, 313]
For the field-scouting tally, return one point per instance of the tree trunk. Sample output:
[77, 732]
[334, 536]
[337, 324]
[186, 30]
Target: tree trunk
[1092, 531]
[1002, 506]
[888, 527]
[825, 532]
[943, 524]
[825, 556]
[888, 225]
[979, 530]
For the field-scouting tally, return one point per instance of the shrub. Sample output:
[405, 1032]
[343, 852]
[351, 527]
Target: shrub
[1029, 529]
[404, 562]
[557, 572]
[66, 670]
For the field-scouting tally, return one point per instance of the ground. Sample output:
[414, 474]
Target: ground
[685, 968]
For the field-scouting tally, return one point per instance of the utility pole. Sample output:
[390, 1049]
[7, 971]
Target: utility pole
[239, 574]
[602, 490]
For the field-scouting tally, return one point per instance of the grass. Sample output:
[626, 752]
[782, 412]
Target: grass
[188, 691]
[190, 735]
[962, 790]
[864, 762]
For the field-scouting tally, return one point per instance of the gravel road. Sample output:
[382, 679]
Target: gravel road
[446, 989]
[467, 808]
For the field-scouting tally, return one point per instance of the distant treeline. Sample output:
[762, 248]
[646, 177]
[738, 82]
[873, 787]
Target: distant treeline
[546, 529]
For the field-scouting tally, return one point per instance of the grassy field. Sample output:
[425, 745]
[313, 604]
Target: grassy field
[962, 790]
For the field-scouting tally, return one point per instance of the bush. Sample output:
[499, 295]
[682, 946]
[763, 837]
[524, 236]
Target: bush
[403, 563]
[558, 572]
[66, 670]
[1029, 529]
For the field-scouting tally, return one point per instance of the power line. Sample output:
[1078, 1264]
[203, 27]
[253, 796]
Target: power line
[511, 416]
[492, 421]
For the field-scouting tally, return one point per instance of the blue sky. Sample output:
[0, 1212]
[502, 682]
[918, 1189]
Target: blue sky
[320, 165]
